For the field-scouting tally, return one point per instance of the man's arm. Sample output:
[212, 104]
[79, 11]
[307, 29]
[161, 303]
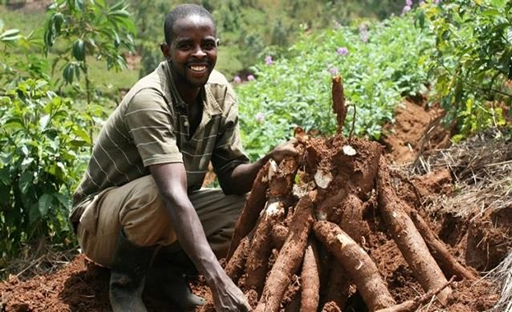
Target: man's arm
[240, 179]
[171, 180]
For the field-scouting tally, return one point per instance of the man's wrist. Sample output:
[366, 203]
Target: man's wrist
[214, 275]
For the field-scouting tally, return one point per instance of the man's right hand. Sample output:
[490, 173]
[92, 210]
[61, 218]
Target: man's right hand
[227, 296]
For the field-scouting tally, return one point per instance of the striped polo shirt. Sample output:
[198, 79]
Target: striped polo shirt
[151, 127]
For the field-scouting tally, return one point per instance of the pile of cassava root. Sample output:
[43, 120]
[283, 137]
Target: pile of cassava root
[302, 240]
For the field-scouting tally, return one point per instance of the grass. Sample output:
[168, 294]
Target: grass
[110, 79]
[25, 21]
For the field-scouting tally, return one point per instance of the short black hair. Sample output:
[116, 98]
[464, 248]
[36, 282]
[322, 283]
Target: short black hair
[182, 11]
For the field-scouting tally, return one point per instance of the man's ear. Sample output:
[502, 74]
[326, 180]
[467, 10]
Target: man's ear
[165, 50]
[217, 41]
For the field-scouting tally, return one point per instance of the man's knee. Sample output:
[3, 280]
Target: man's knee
[144, 217]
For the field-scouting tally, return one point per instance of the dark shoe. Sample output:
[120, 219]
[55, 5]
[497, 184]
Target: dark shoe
[129, 268]
[169, 274]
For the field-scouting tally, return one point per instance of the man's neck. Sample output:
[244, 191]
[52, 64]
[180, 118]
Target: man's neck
[188, 94]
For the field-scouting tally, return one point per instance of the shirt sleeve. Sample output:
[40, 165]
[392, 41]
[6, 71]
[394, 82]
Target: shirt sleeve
[228, 152]
[151, 127]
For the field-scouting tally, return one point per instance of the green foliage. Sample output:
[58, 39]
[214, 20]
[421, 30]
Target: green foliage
[89, 28]
[17, 60]
[257, 27]
[472, 60]
[44, 134]
[380, 67]
[149, 16]
[42, 138]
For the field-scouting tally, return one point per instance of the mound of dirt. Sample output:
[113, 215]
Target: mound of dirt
[417, 129]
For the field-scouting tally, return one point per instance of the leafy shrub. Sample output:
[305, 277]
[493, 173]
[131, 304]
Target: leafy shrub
[472, 60]
[378, 63]
[43, 140]
[89, 28]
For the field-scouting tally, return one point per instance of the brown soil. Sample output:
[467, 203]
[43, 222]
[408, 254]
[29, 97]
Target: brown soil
[417, 129]
[83, 286]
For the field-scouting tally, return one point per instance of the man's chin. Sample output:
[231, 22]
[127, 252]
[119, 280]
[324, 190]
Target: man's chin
[198, 83]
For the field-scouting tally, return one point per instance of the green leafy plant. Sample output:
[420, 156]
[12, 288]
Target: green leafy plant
[472, 60]
[19, 58]
[43, 140]
[378, 63]
[89, 28]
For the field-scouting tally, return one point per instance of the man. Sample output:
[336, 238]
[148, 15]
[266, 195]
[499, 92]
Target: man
[140, 201]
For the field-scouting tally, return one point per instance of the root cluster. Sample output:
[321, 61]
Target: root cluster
[303, 239]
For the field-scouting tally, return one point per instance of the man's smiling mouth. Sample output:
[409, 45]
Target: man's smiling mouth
[198, 68]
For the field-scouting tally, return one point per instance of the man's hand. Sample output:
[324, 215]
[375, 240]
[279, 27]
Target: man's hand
[284, 149]
[241, 178]
[227, 296]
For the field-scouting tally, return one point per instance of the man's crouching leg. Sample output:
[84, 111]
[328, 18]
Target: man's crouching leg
[122, 229]
[129, 267]
[134, 217]
[218, 214]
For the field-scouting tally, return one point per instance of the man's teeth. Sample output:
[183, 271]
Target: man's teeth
[198, 68]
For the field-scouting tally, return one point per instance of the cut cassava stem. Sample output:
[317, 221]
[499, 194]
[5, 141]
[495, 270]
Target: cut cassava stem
[289, 258]
[255, 203]
[358, 264]
[338, 102]
[447, 262]
[310, 278]
[408, 239]
[414, 304]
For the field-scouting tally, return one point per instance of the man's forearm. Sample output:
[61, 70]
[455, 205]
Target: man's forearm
[192, 238]
[171, 182]
[242, 177]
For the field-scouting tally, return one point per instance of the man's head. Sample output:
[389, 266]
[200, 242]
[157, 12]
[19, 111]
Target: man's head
[191, 44]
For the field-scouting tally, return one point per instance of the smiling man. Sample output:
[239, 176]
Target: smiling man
[140, 208]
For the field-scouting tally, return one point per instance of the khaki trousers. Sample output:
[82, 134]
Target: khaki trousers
[138, 208]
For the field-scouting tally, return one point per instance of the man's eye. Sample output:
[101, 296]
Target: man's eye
[185, 46]
[209, 46]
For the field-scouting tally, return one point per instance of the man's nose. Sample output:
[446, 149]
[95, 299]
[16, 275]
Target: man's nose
[199, 52]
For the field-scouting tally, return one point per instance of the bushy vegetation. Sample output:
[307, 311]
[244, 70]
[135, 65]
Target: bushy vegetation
[471, 63]
[47, 123]
[42, 139]
[457, 52]
[377, 60]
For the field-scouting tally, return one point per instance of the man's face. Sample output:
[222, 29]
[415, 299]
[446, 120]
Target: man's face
[193, 50]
